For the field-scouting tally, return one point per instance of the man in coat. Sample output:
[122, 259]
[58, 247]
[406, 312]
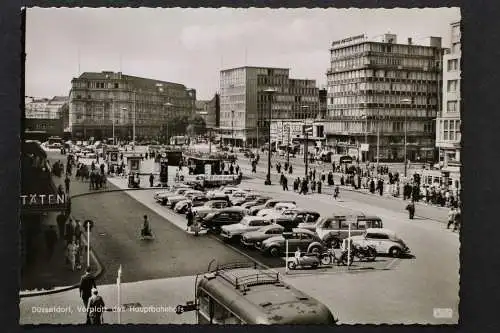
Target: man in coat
[87, 282]
[95, 308]
[411, 209]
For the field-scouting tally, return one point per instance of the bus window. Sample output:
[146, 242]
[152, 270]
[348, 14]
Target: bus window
[223, 315]
[344, 224]
[361, 224]
[204, 304]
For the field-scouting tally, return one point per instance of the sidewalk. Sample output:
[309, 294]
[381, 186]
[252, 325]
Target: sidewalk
[46, 275]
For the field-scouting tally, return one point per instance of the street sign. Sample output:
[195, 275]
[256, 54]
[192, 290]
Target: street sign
[308, 129]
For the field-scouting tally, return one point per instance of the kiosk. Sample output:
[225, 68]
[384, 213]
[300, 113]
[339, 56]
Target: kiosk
[134, 163]
[112, 153]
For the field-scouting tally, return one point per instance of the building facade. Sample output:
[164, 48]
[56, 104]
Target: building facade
[380, 92]
[209, 111]
[99, 99]
[448, 124]
[46, 115]
[244, 103]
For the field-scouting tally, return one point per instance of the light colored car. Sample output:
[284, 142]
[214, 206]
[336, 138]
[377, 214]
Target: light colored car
[385, 241]
[277, 209]
[248, 223]
[173, 200]
[269, 204]
[224, 190]
[162, 196]
[195, 200]
[306, 240]
[210, 207]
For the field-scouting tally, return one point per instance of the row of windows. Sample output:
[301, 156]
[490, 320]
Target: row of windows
[450, 130]
[383, 60]
[381, 113]
[140, 98]
[386, 127]
[381, 73]
[382, 99]
[382, 86]
[452, 106]
[376, 47]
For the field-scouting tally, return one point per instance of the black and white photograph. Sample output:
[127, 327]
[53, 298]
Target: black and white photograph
[241, 166]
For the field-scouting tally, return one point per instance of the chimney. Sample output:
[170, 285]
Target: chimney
[409, 41]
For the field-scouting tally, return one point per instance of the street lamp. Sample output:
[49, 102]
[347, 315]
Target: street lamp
[306, 144]
[365, 117]
[288, 145]
[408, 102]
[270, 93]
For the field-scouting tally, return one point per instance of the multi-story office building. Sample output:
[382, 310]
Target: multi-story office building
[380, 91]
[96, 99]
[46, 115]
[448, 124]
[244, 103]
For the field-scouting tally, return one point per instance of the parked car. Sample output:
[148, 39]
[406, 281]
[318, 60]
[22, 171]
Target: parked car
[195, 201]
[332, 230]
[162, 196]
[252, 237]
[305, 240]
[259, 201]
[277, 209]
[173, 200]
[224, 190]
[269, 204]
[211, 206]
[238, 201]
[385, 241]
[237, 195]
[226, 216]
[248, 223]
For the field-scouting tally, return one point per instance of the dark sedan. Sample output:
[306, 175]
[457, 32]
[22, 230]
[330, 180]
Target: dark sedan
[305, 240]
[214, 221]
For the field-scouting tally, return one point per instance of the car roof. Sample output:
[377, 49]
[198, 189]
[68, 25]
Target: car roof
[252, 218]
[232, 209]
[381, 231]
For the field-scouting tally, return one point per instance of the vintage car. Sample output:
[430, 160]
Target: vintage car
[305, 240]
[252, 237]
[211, 206]
[223, 190]
[277, 209]
[248, 223]
[195, 200]
[173, 200]
[162, 196]
[215, 221]
[258, 201]
[269, 204]
[384, 241]
[334, 229]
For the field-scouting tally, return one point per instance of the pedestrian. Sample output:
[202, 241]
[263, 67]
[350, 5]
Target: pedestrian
[61, 220]
[151, 180]
[411, 209]
[451, 217]
[95, 308]
[319, 186]
[87, 282]
[50, 240]
[189, 217]
[380, 186]
[458, 219]
[336, 192]
[290, 169]
[372, 186]
[285, 183]
[78, 255]
[66, 183]
[77, 230]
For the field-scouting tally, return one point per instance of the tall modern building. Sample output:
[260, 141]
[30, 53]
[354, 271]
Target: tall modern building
[448, 124]
[244, 103]
[380, 91]
[96, 99]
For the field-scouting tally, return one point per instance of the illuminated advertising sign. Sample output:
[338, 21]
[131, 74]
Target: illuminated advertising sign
[349, 40]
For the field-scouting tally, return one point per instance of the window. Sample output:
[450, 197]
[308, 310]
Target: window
[451, 106]
[377, 236]
[452, 65]
[452, 85]
[221, 315]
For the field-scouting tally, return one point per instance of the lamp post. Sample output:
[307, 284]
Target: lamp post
[306, 144]
[288, 145]
[408, 102]
[378, 138]
[365, 117]
[270, 93]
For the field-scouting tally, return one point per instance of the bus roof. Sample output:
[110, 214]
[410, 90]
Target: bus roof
[260, 297]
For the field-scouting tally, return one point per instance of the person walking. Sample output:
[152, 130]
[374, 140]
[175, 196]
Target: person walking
[87, 282]
[380, 186]
[336, 192]
[319, 186]
[189, 217]
[290, 170]
[411, 209]
[458, 220]
[151, 180]
[451, 217]
[50, 240]
[95, 308]
[66, 183]
[285, 183]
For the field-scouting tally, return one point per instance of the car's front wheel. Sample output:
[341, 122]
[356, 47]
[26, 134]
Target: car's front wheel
[274, 251]
[395, 252]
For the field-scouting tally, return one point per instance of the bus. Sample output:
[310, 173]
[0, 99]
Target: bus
[179, 140]
[242, 293]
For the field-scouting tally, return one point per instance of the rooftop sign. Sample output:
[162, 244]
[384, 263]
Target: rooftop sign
[349, 40]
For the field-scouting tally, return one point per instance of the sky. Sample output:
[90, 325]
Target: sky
[191, 46]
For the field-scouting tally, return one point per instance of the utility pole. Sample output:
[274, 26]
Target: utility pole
[270, 94]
